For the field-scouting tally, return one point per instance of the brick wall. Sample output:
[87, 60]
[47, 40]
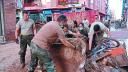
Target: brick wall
[10, 19]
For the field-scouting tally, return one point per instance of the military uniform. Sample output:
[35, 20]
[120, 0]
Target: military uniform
[41, 44]
[26, 35]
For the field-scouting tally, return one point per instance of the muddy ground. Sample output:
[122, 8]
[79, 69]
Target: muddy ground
[9, 58]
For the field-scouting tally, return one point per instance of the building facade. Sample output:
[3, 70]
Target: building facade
[7, 20]
[99, 5]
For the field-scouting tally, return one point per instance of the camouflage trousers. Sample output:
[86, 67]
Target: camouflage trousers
[41, 56]
[96, 38]
[24, 41]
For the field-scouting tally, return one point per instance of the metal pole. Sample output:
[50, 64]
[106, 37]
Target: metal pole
[2, 20]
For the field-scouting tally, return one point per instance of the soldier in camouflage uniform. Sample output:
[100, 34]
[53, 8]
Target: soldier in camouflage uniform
[25, 30]
[42, 43]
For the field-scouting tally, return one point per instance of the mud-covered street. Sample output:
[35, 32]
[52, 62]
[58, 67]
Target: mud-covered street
[63, 36]
[9, 59]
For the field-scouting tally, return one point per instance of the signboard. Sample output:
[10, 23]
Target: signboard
[56, 11]
[65, 2]
[47, 12]
[73, 1]
[62, 2]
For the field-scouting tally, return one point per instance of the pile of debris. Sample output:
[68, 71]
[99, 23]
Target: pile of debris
[108, 56]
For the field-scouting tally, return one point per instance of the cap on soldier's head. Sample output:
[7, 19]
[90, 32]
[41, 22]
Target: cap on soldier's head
[62, 18]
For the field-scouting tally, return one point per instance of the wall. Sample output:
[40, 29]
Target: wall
[53, 3]
[99, 5]
[103, 6]
[10, 19]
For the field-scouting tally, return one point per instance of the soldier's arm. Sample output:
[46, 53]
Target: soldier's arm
[90, 40]
[106, 30]
[17, 32]
[75, 34]
[62, 38]
[34, 29]
[66, 43]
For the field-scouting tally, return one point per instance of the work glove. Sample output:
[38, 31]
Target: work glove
[17, 41]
